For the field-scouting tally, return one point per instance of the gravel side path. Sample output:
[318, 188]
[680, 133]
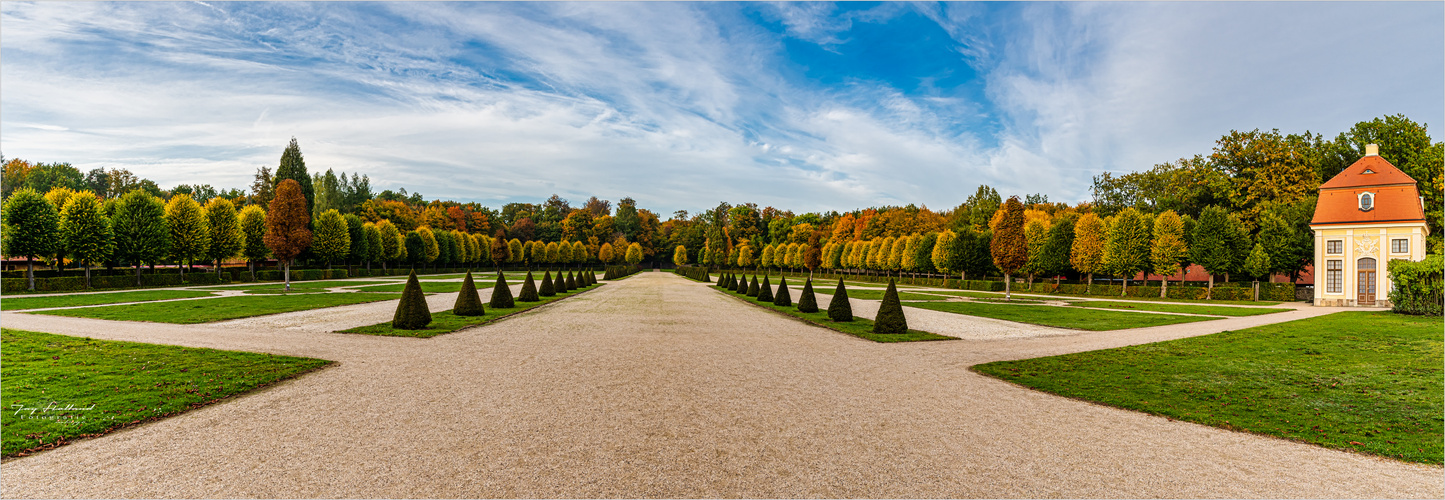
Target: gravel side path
[656, 386]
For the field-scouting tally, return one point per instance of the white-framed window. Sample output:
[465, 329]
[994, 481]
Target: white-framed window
[1367, 201]
[1334, 276]
[1400, 245]
[1335, 247]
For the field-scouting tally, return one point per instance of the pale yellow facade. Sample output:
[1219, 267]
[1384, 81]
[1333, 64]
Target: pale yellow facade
[1346, 254]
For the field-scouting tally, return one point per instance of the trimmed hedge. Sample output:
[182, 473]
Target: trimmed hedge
[1193, 290]
[694, 273]
[620, 271]
[77, 283]
[1419, 286]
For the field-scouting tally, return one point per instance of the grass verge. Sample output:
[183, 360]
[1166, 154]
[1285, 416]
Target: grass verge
[1364, 381]
[1058, 316]
[67, 388]
[222, 308]
[878, 294]
[90, 299]
[430, 286]
[446, 322]
[1146, 306]
[859, 327]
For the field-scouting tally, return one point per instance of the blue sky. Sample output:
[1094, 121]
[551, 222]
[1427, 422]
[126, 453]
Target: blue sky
[803, 106]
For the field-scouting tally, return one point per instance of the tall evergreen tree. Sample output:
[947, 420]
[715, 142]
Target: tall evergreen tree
[190, 231]
[84, 232]
[293, 167]
[141, 234]
[226, 236]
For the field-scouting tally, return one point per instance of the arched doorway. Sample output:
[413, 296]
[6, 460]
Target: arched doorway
[1366, 284]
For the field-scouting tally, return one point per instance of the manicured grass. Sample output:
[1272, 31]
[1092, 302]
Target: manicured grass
[446, 322]
[970, 294]
[223, 308]
[1157, 299]
[430, 286]
[859, 327]
[17, 304]
[1146, 306]
[300, 286]
[1364, 381]
[1062, 317]
[109, 385]
[878, 294]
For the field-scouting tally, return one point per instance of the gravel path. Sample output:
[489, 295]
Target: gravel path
[657, 386]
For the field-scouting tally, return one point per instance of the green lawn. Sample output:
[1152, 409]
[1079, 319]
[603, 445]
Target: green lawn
[108, 385]
[1364, 381]
[446, 322]
[859, 327]
[970, 294]
[428, 286]
[17, 304]
[1157, 299]
[298, 286]
[223, 308]
[1147, 306]
[874, 294]
[1062, 317]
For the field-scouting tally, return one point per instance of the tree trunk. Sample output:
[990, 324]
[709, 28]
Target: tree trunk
[30, 270]
[182, 266]
[137, 273]
[251, 264]
[288, 276]
[1125, 290]
[1089, 285]
[87, 274]
[1164, 288]
[1209, 294]
[1256, 290]
[1008, 286]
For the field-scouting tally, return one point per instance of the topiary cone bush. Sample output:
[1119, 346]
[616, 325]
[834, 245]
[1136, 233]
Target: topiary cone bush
[753, 287]
[783, 298]
[571, 281]
[733, 284]
[723, 280]
[807, 302]
[469, 302]
[890, 315]
[529, 290]
[502, 294]
[592, 277]
[765, 291]
[548, 289]
[411, 312]
[839, 309]
[559, 284]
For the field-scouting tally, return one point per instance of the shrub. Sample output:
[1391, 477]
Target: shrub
[890, 315]
[733, 283]
[502, 294]
[839, 309]
[807, 302]
[469, 302]
[765, 291]
[548, 288]
[724, 280]
[559, 285]
[693, 273]
[753, 287]
[1418, 285]
[621, 271]
[783, 298]
[529, 290]
[571, 281]
[412, 312]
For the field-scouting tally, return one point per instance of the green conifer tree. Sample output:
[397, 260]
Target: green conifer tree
[502, 294]
[807, 302]
[839, 309]
[469, 302]
[412, 312]
[529, 290]
[890, 318]
[783, 298]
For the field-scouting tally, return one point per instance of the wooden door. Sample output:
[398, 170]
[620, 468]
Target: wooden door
[1366, 283]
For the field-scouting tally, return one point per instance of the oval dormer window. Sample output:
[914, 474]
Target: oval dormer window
[1367, 201]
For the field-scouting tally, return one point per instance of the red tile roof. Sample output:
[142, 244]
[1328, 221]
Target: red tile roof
[1396, 197]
